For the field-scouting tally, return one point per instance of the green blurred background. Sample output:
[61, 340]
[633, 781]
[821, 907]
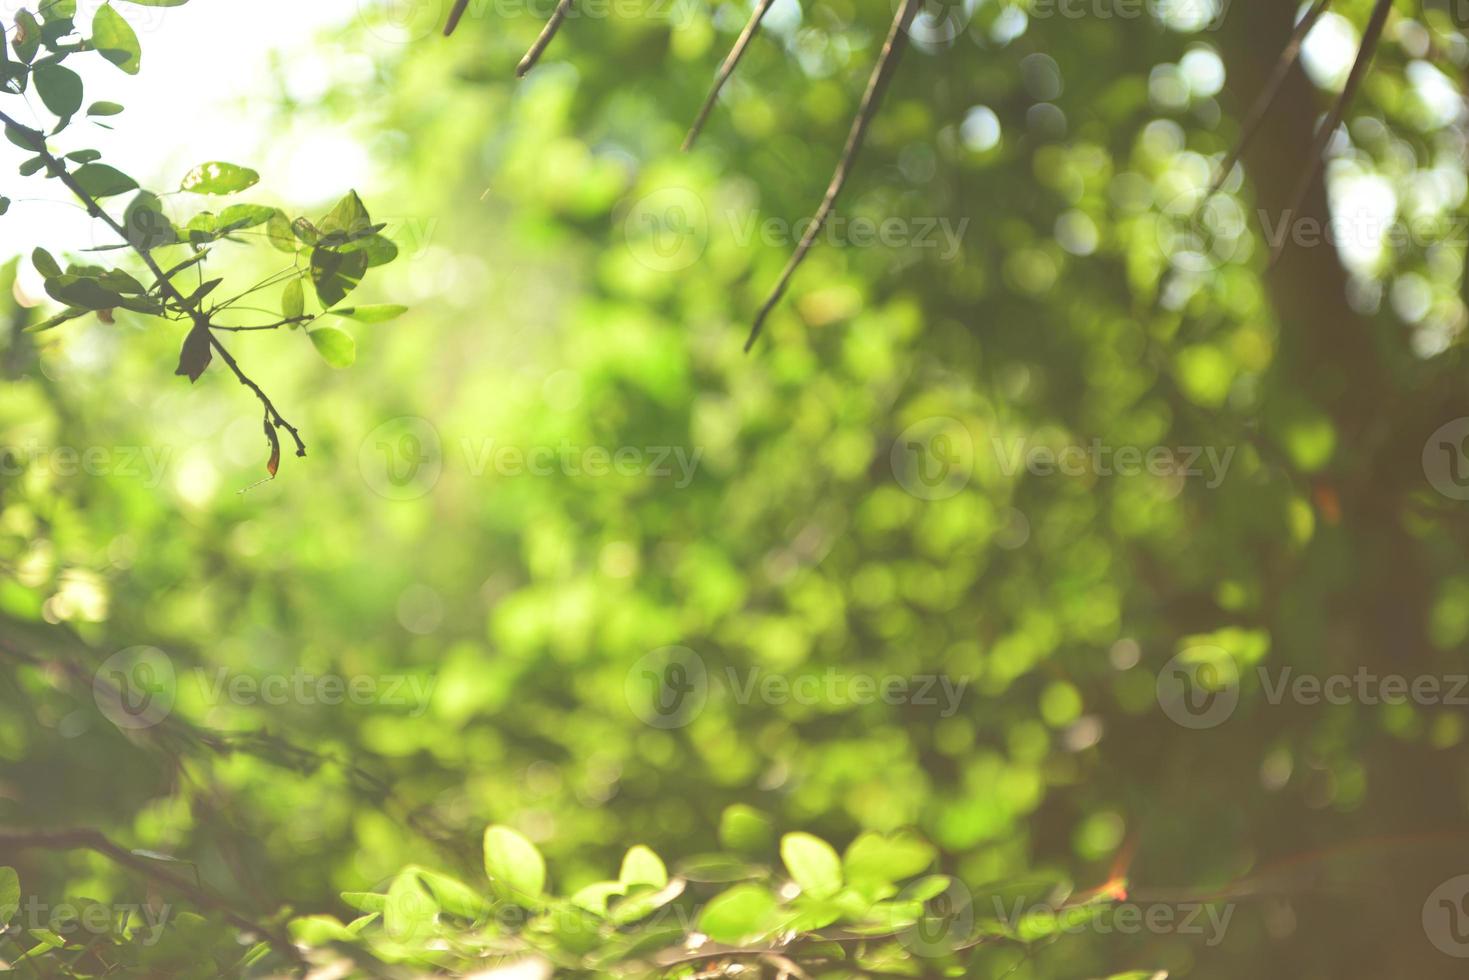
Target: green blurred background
[576, 285]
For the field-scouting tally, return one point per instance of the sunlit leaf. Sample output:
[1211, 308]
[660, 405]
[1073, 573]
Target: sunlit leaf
[377, 313]
[217, 177]
[812, 864]
[115, 40]
[335, 346]
[516, 869]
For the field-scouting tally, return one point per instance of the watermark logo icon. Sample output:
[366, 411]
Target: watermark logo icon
[1199, 235]
[1199, 688]
[1446, 917]
[402, 458]
[933, 459]
[667, 230]
[402, 21]
[946, 920]
[1446, 459]
[135, 688]
[668, 687]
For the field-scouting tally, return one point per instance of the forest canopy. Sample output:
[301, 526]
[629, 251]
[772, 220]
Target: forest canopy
[704, 489]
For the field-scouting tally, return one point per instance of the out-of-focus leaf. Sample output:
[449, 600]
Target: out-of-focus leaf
[293, 300]
[742, 914]
[516, 869]
[813, 864]
[377, 313]
[335, 346]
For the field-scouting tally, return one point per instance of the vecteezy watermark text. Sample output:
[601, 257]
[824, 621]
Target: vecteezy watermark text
[143, 463]
[572, 460]
[1206, 919]
[67, 919]
[137, 687]
[1099, 459]
[669, 229]
[670, 687]
[1202, 691]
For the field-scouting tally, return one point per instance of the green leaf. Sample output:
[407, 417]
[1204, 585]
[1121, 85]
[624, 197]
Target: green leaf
[594, 897]
[379, 250]
[27, 38]
[115, 40]
[640, 866]
[516, 869]
[237, 217]
[83, 291]
[4, 204]
[644, 900]
[318, 930]
[57, 320]
[58, 9]
[60, 90]
[365, 901]
[812, 864]
[195, 355]
[44, 263]
[335, 346]
[335, 274]
[744, 828]
[305, 231]
[409, 912]
[26, 139]
[217, 177]
[348, 218]
[100, 180]
[104, 108]
[742, 914]
[454, 896]
[278, 230]
[293, 300]
[145, 225]
[376, 313]
[9, 894]
[880, 858]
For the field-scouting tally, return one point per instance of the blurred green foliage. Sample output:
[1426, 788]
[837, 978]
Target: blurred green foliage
[462, 543]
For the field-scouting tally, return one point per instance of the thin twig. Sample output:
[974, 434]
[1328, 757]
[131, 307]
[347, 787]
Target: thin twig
[95, 840]
[454, 16]
[882, 73]
[1317, 162]
[266, 326]
[260, 744]
[547, 33]
[1268, 94]
[725, 70]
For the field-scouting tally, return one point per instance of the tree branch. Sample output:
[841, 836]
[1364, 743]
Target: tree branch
[547, 33]
[1370, 37]
[95, 840]
[1268, 94]
[57, 167]
[725, 70]
[882, 73]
